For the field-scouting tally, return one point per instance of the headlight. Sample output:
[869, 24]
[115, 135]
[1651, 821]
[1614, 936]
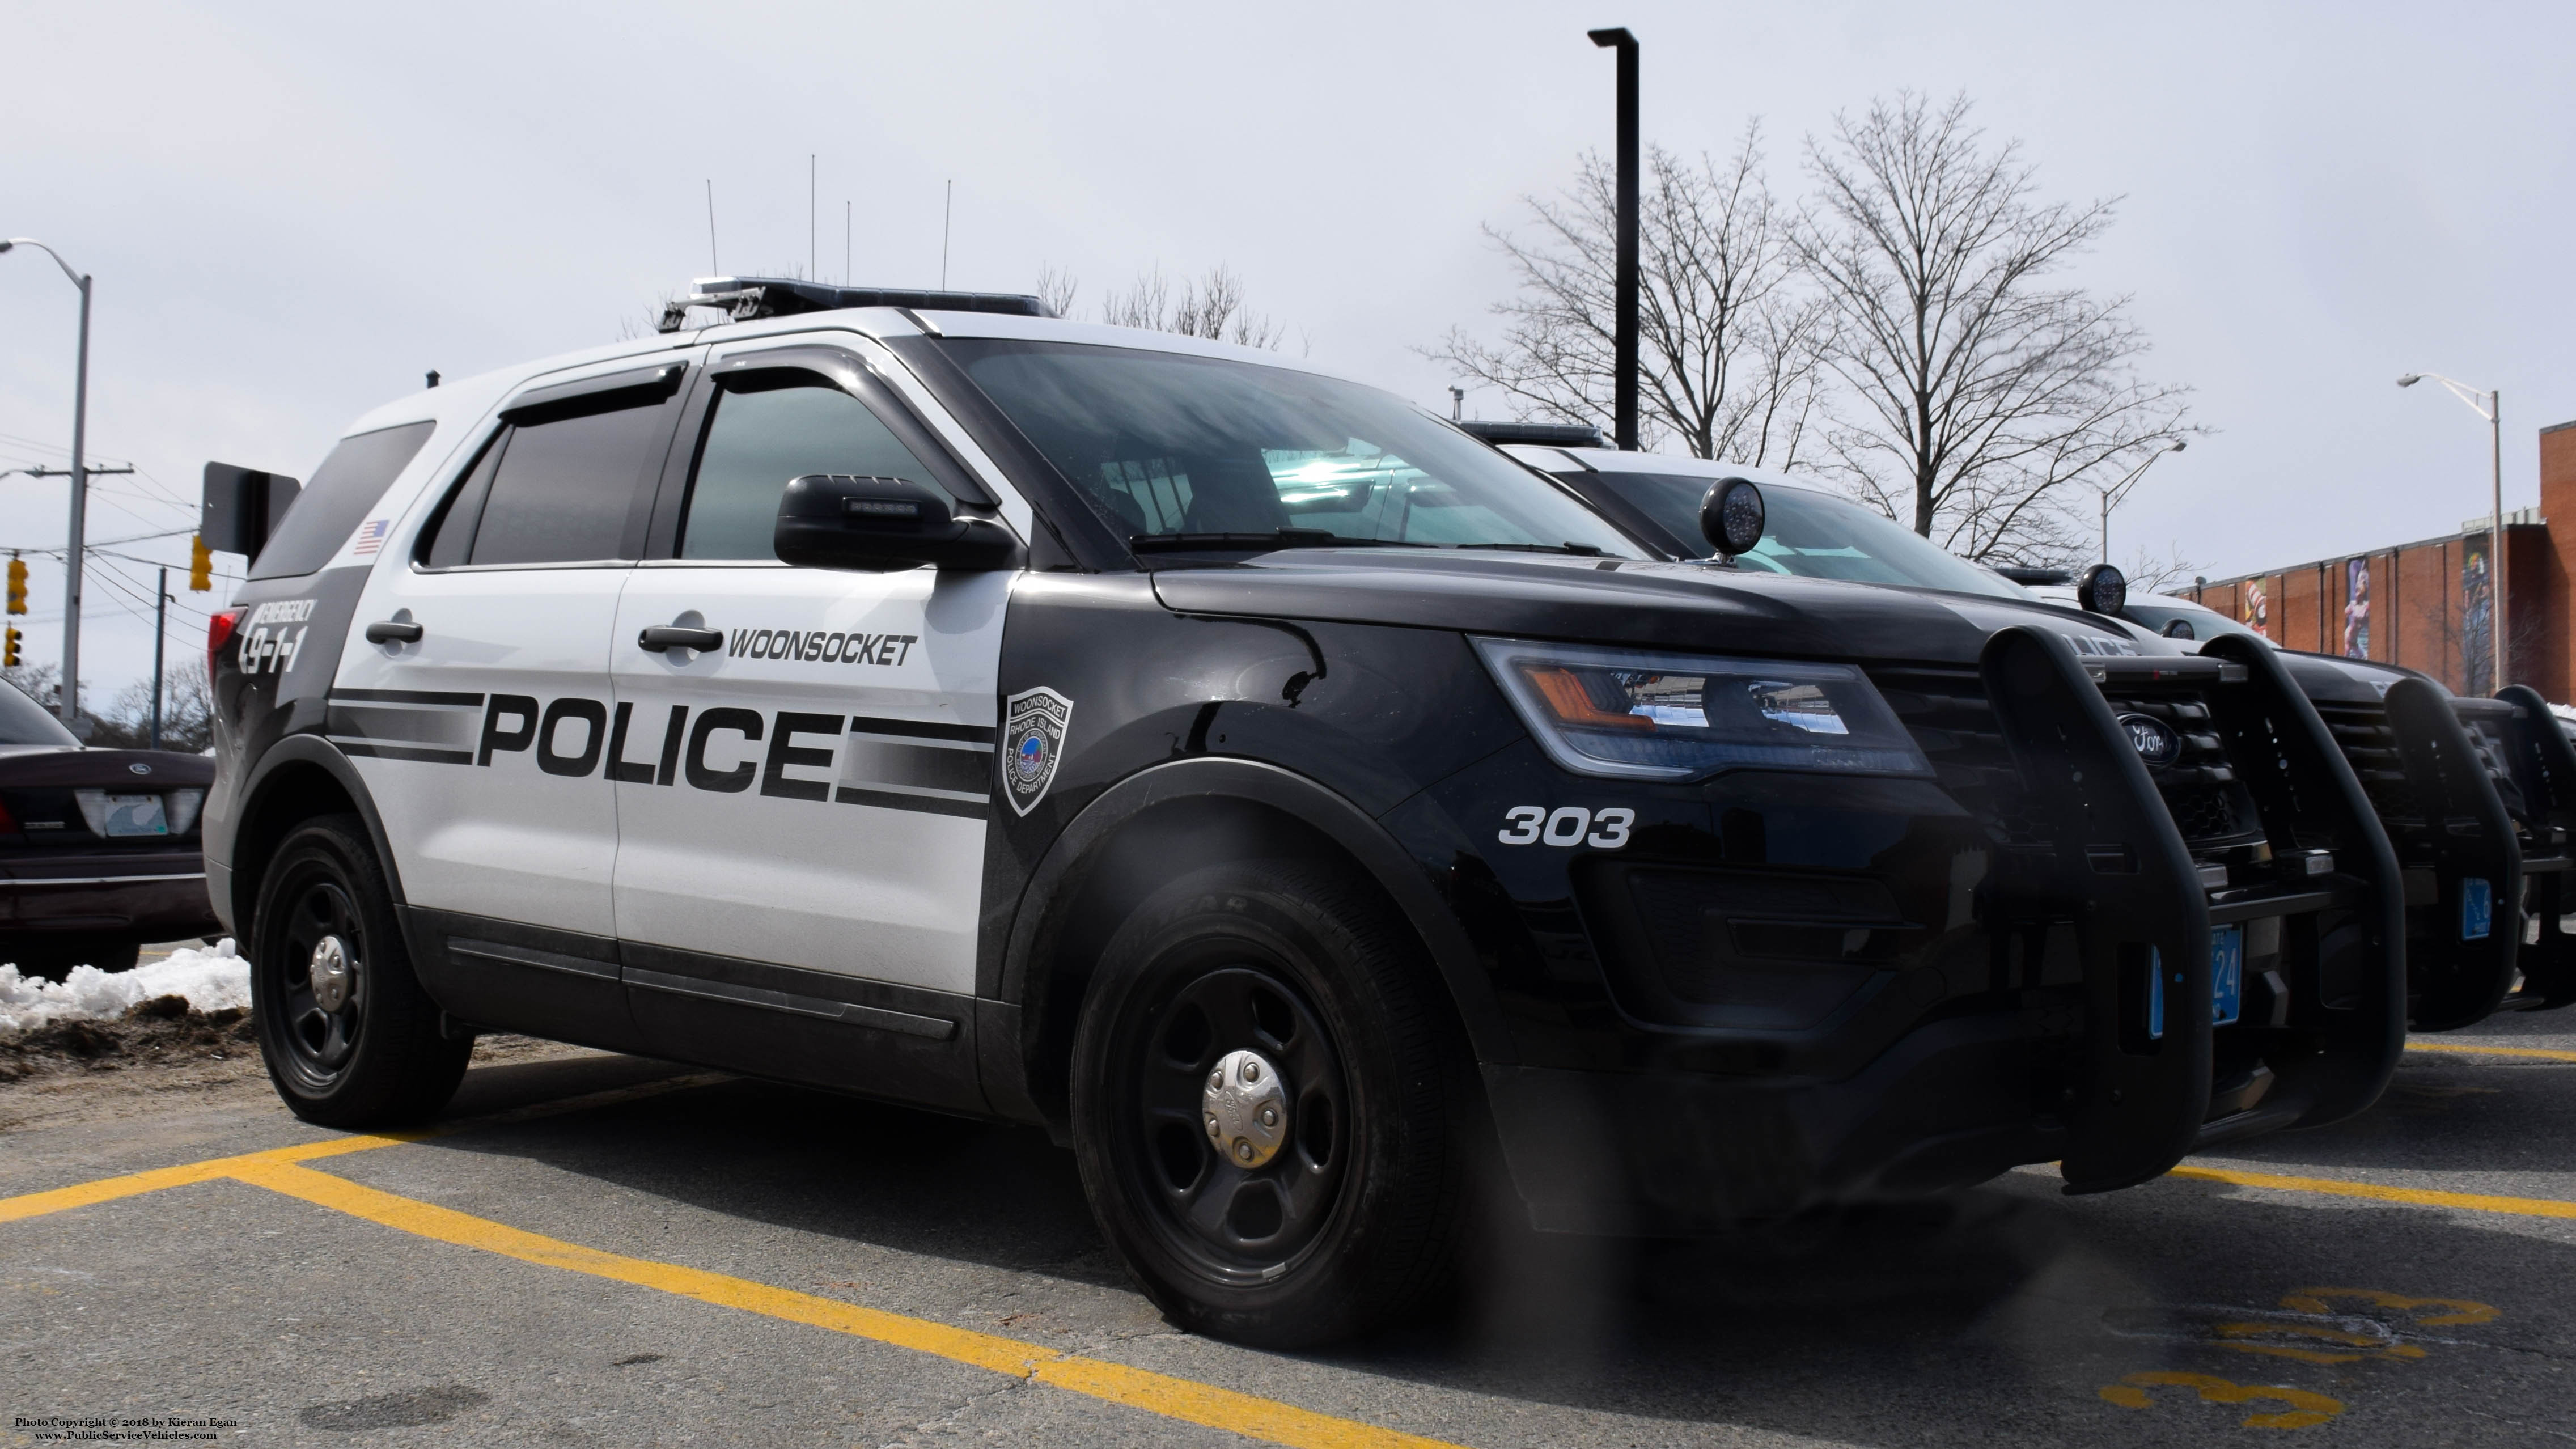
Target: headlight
[1642, 716]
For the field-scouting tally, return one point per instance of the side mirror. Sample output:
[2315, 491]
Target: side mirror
[1732, 516]
[878, 525]
[240, 507]
[2102, 590]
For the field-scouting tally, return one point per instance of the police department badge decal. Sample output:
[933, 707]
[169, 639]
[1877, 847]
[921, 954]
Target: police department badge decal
[1032, 739]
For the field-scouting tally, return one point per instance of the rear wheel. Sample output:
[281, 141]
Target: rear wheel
[349, 1037]
[1271, 1106]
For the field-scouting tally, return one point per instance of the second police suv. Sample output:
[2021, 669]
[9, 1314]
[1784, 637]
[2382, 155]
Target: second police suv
[1282, 795]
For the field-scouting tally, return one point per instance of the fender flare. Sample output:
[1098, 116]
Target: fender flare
[1063, 870]
[307, 749]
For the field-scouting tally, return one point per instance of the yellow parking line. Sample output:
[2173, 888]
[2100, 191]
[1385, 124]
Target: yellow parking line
[1175, 1398]
[2529, 1207]
[2490, 1051]
[108, 1189]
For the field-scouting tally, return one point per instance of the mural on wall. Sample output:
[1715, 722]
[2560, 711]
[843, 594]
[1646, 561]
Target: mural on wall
[2356, 608]
[2477, 618]
[2258, 609]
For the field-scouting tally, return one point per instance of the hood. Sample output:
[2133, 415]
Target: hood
[1621, 601]
[2350, 681]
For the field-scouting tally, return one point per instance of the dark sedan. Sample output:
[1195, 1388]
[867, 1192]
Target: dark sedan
[98, 848]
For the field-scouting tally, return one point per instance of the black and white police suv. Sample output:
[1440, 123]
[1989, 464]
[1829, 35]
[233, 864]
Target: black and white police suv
[1271, 788]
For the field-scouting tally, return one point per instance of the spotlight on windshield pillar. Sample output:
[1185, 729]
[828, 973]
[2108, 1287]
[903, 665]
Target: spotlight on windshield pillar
[1732, 516]
[2103, 589]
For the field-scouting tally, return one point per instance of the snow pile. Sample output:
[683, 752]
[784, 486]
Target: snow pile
[211, 978]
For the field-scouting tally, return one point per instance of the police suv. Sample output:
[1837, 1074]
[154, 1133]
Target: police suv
[1277, 792]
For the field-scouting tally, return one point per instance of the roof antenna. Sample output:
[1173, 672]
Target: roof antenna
[947, 214]
[813, 265]
[713, 267]
[433, 377]
[845, 243]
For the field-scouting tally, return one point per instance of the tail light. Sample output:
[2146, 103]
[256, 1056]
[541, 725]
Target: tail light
[219, 632]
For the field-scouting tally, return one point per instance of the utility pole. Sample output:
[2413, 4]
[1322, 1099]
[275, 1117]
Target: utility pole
[160, 635]
[1624, 385]
[68, 706]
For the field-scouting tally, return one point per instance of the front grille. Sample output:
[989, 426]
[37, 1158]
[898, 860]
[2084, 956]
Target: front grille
[2370, 746]
[2199, 785]
[1947, 712]
[2487, 737]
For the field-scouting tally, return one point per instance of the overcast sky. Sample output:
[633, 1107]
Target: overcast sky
[292, 212]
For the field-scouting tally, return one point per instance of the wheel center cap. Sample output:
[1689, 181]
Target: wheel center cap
[332, 975]
[1245, 1107]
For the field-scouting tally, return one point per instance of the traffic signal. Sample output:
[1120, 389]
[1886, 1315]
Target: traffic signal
[9, 648]
[17, 585]
[201, 567]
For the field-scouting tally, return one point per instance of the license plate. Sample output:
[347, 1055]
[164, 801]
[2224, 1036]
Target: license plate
[2226, 974]
[136, 815]
[2226, 981]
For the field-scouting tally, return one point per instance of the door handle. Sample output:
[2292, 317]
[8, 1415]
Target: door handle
[393, 631]
[670, 636]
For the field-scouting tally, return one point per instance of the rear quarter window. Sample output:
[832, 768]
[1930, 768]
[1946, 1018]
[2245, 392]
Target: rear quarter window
[347, 485]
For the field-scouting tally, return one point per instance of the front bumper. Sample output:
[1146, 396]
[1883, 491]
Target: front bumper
[1898, 987]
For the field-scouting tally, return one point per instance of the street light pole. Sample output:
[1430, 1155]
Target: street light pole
[2118, 493]
[1623, 386]
[2493, 411]
[69, 705]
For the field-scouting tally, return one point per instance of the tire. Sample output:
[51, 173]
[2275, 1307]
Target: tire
[377, 1058]
[1355, 1219]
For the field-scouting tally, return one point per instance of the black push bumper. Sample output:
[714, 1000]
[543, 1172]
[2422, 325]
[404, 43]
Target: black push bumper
[2092, 1040]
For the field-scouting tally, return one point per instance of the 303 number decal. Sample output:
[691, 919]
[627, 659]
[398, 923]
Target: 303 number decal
[1567, 826]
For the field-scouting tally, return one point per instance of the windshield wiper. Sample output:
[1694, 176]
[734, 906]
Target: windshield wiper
[1583, 550]
[1276, 538]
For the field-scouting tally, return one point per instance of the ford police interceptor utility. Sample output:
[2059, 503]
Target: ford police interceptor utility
[2477, 796]
[1274, 790]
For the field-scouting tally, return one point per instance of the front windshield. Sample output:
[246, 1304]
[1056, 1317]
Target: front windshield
[1811, 535]
[2161, 615]
[1165, 445]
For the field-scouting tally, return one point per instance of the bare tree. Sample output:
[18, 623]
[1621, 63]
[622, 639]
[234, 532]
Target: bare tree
[1976, 396]
[1729, 347]
[2151, 572]
[187, 712]
[1211, 306]
[1057, 288]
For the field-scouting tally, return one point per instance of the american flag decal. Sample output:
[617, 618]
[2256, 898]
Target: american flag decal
[372, 537]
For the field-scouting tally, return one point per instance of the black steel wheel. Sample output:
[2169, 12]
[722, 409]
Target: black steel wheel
[1270, 1106]
[349, 1037]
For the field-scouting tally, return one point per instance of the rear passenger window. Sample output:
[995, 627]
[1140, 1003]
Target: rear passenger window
[563, 490]
[769, 428]
[343, 489]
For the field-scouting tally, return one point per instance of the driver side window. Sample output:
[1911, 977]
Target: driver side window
[767, 428]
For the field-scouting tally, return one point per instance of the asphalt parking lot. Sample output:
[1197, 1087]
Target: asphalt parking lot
[600, 1250]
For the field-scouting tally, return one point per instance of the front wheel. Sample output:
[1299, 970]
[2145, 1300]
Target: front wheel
[1272, 1106]
[349, 1037]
